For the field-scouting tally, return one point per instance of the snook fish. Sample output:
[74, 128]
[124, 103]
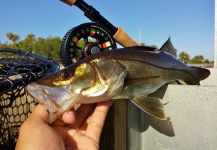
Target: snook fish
[128, 73]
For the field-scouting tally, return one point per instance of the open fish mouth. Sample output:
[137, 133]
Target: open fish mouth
[36, 91]
[46, 95]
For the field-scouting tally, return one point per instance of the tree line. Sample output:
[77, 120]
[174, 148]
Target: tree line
[198, 59]
[50, 47]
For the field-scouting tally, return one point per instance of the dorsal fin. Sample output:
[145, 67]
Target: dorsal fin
[168, 47]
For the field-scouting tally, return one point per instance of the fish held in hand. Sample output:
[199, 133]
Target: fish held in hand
[128, 73]
[82, 83]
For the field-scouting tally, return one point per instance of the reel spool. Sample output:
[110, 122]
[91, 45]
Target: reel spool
[84, 40]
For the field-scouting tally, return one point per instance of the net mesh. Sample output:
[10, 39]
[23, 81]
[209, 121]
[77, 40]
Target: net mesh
[17, 69]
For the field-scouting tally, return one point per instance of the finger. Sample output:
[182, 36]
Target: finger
[81, 114]
[69, 117]
[58, 122]
[40, 112]
[97, 120]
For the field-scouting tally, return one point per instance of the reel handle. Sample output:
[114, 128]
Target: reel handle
[124, 39]
[90, 12]
[69, 2]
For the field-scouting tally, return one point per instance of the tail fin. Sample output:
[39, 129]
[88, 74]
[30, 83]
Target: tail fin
[202, 73]
[151, 106]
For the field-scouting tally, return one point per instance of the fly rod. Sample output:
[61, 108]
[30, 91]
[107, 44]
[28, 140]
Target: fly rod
[116, 32]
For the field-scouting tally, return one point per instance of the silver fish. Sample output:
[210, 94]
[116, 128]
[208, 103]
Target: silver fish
[128, 73]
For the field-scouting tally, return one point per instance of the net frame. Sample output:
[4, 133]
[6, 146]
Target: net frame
[17, 69]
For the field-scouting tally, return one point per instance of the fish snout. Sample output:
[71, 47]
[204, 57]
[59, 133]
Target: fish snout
[35, 91]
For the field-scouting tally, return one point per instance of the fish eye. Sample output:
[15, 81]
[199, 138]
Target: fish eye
[65, 74]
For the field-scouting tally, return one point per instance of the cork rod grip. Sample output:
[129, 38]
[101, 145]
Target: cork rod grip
[124, 39]
[69, 2]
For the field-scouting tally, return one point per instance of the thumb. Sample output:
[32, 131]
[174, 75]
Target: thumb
[40, 112]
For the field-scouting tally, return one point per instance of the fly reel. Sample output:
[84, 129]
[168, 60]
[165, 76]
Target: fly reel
[84, 40]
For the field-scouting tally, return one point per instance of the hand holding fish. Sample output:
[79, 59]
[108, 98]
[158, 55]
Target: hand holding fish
[80, 129]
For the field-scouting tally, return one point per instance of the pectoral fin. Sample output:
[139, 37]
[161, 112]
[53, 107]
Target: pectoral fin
[151, 106]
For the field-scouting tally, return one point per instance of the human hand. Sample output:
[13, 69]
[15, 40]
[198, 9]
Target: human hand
[80, 129]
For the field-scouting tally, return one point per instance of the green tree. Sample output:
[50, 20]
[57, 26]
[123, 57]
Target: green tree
[199, 59]
[49, 47]
[53, 47]
[184, 57]
[13, 37]
[154, 46]
[40, 46]
[207, 61]
[28, 43]
[142, 44]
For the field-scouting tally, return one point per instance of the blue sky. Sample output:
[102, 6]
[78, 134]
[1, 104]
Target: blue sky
[190, 23]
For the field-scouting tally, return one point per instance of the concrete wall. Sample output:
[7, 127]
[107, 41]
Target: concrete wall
[212, 79]
[215, 57]
[192, 125]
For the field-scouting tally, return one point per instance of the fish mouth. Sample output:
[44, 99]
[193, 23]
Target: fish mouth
[46, 95]
[35, 91]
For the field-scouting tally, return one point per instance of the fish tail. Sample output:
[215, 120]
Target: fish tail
[202, 73]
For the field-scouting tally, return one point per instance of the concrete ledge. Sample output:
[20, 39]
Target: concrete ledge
[212, 79]
[192, 125]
